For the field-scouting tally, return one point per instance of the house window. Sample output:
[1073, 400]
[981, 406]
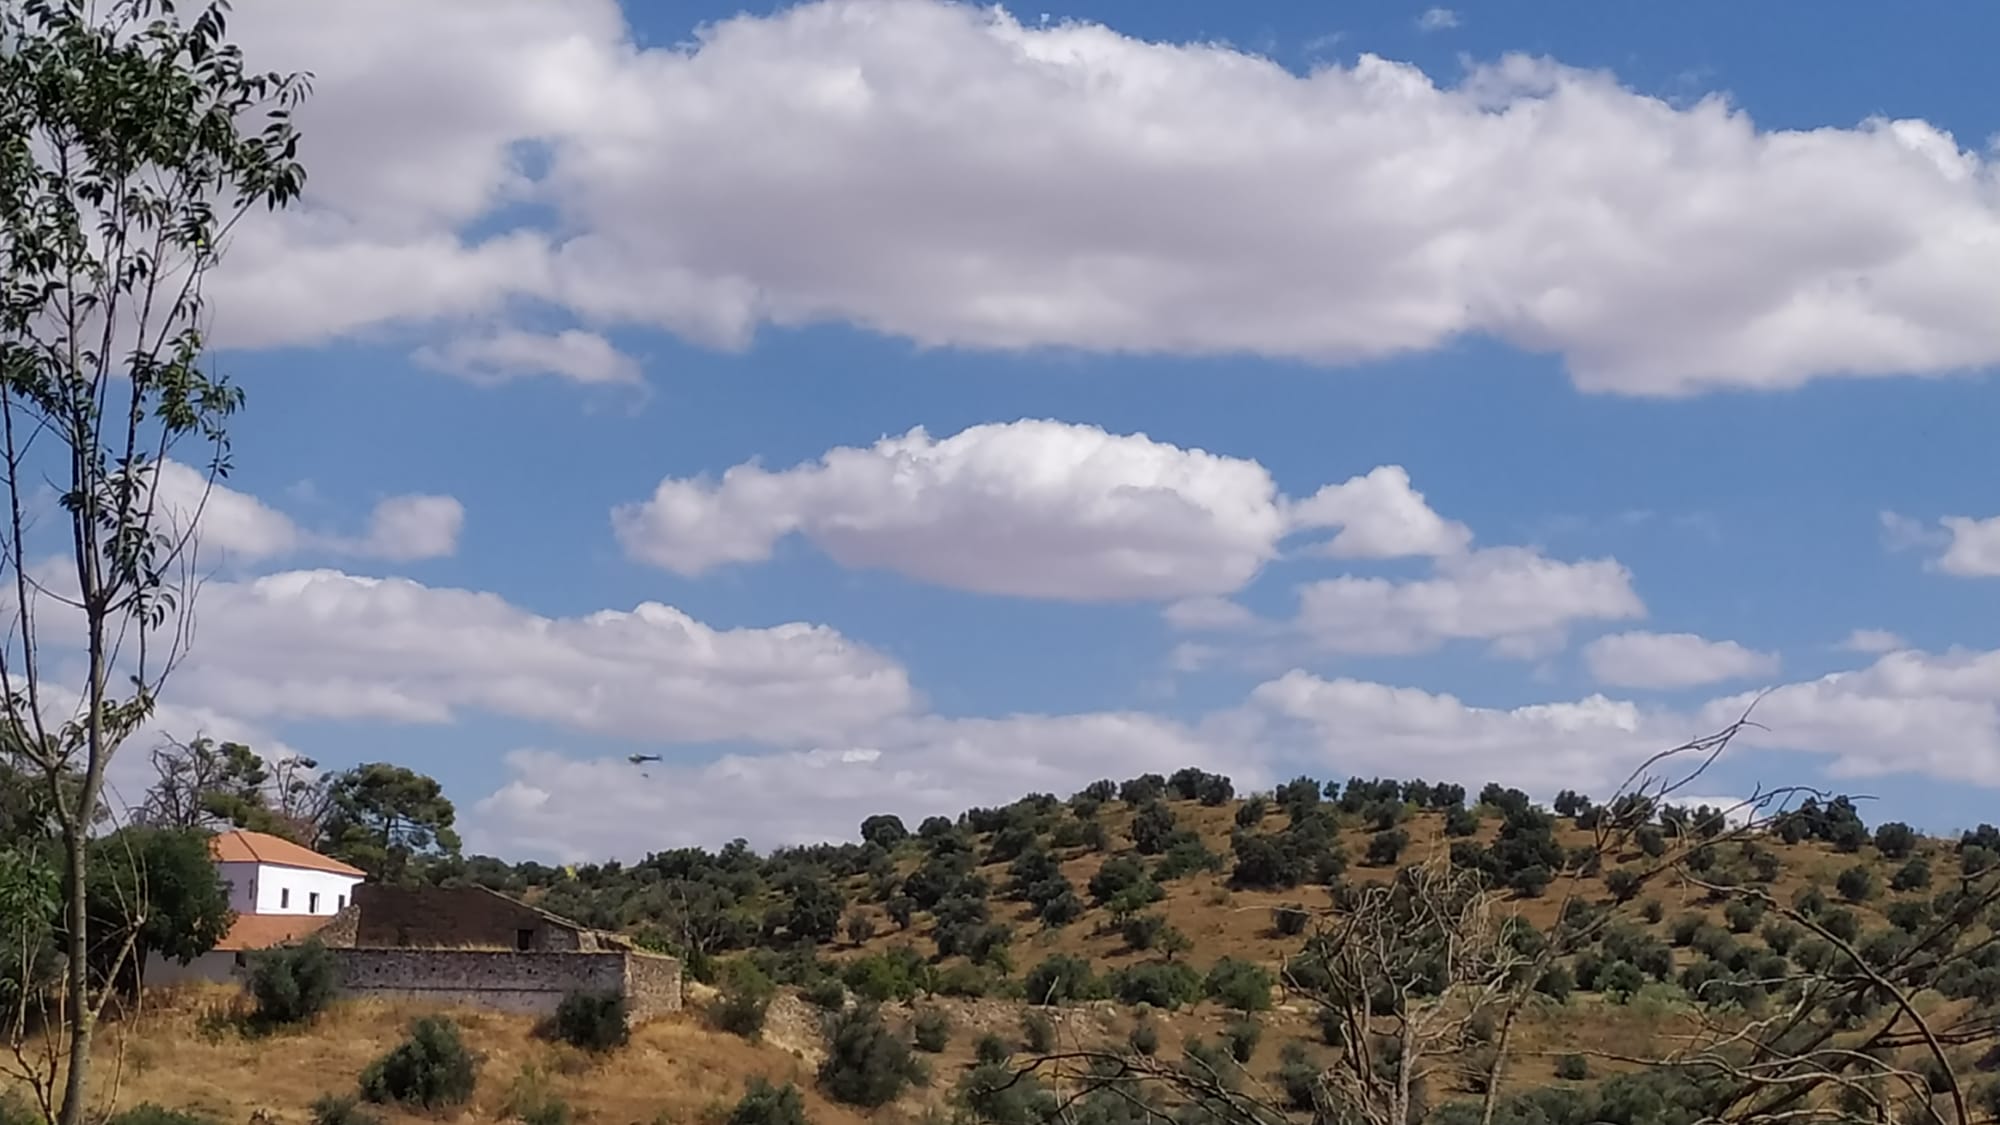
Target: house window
[284, 898]
[524, 940]
[340, 902]
[312, 903]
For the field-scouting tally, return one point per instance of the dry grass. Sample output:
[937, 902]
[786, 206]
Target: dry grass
[181, 1052]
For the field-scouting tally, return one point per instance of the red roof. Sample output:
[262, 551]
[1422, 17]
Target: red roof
[262, 931]
[240, 846]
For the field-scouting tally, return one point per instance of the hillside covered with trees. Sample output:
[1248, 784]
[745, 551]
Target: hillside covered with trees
[1371, 949]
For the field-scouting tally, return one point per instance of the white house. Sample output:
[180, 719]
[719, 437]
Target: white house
[280, 892]
[271, 875]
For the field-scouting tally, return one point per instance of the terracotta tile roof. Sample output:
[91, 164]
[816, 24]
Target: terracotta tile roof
[239, 846]
[262, 931]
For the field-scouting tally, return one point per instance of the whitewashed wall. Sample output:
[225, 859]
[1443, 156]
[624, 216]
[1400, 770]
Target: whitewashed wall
[262, 888]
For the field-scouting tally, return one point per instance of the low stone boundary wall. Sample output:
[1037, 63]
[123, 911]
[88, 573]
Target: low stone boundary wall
[531, 983]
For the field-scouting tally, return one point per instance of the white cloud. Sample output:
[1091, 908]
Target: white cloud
[582, 357]
[597, 808]
[1672, 660]
[946, 174]
[222, 520]
[324, 644]
[407, 528]
[1437, 19]
[1975, 547]
[1357, 727]
[1380, 516]
[1520, 600]
[1217, 614]
[1875, 641]
[1931, 714]
[1029, 508]
[1970, 547]
[237, 527]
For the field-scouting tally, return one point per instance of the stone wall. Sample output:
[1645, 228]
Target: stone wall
[652, 985]
[533, 983]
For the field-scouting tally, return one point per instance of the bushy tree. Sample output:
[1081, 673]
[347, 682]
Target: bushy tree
[884, 830]
[867, 1064]
[431, 1070]
[1152, 826]
[292, 984]
[765, 1104]
[1385, 848]
[388, 820]
[1855, 884]
[593, 1021]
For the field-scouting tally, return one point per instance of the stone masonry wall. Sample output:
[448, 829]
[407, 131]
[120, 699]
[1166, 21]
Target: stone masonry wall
[652, 985]
[532, 983]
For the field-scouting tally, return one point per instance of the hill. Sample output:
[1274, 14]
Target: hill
[1350, 944]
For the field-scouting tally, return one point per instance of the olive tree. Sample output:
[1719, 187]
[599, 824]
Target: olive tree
[132, 138]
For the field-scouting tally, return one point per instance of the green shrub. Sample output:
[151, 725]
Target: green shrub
[866, 1064]
[1289, 920]
[1242, 1037]
[150, 1114]
[1914, 875]
[339, 1109]
[880, 977]
[741, 1011]
[1841, 923]
[1144, 1038]
[1556, 983]
[1652, 910]
[765, 1104]
[1780, 936]
[1239, 985]
[1622, 883]
[994, 1094]
[1061, 979]
[1300, 1078]
[930, 1030]
[827, 993]
[990, 1048]
[1142, 931]
[1856, 884]
[1332, 1023]
[1038, 1032]
[292, 984]
[1743, 914]
[430, 1070]
[592, 1021]
[965, 980]
[1685, 928]
[1164, 986]
[1572, 1068]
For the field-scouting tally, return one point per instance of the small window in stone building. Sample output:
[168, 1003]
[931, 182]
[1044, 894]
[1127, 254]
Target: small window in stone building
[340, 902]
[524, 940]
[312, 902]
[284, 898]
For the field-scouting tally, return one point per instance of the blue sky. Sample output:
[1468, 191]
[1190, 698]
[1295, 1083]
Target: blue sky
[1652, 377]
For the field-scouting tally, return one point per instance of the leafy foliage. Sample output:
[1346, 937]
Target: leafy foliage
[430, 1070]
[593, 1021]
[293, 984]
[866, 1064]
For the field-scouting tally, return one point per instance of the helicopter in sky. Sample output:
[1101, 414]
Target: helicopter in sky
[641, 760]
